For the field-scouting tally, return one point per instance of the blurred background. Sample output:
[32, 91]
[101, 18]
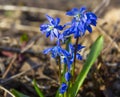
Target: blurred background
[21, 45]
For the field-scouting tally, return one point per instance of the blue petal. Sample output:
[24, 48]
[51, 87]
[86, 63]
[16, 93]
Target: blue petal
[89, 28]
[43, 27]
[65, 60]
[91, 15]
[65, 53]
[54, 54]
[52, 36]
[68, 76]
[93, 22]
[50, 19]
[70, 62]
[82, 28]
[48, 33]
[67, 32]
[59, 27]
[57, 21]
[61, 37]
[56, 33]
[77, 34]
[63, 88]
[53, 22]
[71, 48]
[47, 50]
[83, 9]
[79, 47]
[78, 56]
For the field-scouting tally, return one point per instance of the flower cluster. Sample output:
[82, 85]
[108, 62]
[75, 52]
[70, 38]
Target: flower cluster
[81, 21]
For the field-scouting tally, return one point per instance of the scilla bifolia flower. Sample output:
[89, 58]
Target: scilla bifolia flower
[72, 50]
[63, 88]
[68, 76]
[69, 59]
[56, 51]
[52, 29]
[81, 22]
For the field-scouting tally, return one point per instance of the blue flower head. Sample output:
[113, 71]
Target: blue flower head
[81, 22]
[56, 51]
[68, 76]
[63, 88]
[52, 29]
[72, 50]
[69, 59]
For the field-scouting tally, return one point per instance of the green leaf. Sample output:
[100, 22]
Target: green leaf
[37, 89]
[18, 94]
[95, 51]
[24, 38]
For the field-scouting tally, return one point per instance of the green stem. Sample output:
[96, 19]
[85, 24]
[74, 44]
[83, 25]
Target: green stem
[65, 94]
[73, 68]
[60, 76]
[67, 43]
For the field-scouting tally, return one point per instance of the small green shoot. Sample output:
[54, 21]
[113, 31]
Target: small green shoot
[24, 38]
[37, 89]
[18, 94]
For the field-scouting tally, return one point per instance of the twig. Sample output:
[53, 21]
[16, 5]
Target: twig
[17, 50]
[9, 67]
[19, 74]
[100, 8]
[7, 91]
[30, 43]
[110, 39]
[5, 25]
[30, 9]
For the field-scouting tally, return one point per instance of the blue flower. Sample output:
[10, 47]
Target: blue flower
[72, 50]
[69, 59]
[52, 29]
[81, 22]
[56, 51]
[63, 88]
[68, 76]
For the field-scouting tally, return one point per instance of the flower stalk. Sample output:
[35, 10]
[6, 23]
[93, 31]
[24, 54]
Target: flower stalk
[73, 68]
[60, 75]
